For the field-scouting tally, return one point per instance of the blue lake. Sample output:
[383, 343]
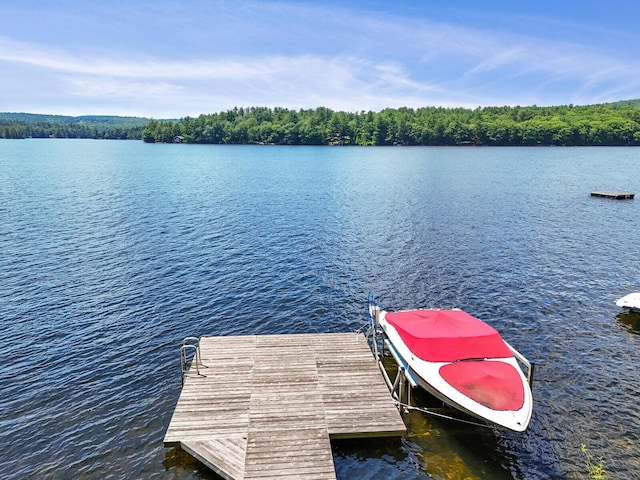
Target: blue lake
[111, 252]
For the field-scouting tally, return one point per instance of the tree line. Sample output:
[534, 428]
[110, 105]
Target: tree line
[607, 124]
[11, 129]
[32, 125]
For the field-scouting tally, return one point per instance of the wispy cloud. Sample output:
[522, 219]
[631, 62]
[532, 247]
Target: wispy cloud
[311, 55]
[297, 81]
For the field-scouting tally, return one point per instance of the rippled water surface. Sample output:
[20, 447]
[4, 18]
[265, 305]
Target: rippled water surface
[112, 252]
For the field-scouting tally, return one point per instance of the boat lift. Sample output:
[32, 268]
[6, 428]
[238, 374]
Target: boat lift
[404, 381]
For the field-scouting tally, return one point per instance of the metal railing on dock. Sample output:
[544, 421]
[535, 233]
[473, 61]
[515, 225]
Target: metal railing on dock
[190, 344]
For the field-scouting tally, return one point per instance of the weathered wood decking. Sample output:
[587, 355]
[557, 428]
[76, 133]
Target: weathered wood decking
[268, 405]
[613, 195]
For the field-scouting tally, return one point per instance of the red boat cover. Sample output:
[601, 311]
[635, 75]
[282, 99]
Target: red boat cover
[447, 335]
[495, 385]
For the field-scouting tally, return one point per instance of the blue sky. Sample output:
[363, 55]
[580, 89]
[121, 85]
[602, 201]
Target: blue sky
[172, 58]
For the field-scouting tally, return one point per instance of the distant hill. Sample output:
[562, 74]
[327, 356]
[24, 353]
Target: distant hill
[90, 120]
[627, 103]
[34, 125]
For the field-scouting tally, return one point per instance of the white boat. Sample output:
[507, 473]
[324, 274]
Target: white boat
[462, 361]
[631, 301]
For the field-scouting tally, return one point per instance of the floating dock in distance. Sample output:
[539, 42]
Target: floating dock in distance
[267, 406]
[613, 194]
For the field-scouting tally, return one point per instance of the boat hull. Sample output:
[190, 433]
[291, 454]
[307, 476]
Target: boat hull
[631, 301]
[470, 385]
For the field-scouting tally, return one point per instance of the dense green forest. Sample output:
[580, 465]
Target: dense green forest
[30, 125]
[608, 124]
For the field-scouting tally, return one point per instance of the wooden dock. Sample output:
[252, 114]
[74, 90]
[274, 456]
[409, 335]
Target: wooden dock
[268, 405]
[613, 195]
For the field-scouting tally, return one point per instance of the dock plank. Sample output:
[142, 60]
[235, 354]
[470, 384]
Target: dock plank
[267, 406]
[224, 456]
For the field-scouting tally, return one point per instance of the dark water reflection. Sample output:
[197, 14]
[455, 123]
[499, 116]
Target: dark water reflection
[630, 320]
[112, 252]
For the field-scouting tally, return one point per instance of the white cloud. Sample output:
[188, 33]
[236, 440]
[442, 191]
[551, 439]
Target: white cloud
[299, 81]
[340, 58]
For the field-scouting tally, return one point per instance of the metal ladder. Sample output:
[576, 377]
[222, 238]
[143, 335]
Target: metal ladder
[189, 345]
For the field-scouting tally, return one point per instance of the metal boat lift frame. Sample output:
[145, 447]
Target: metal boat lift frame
[404, 380]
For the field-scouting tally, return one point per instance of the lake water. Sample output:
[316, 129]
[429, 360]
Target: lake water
[111, 252]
